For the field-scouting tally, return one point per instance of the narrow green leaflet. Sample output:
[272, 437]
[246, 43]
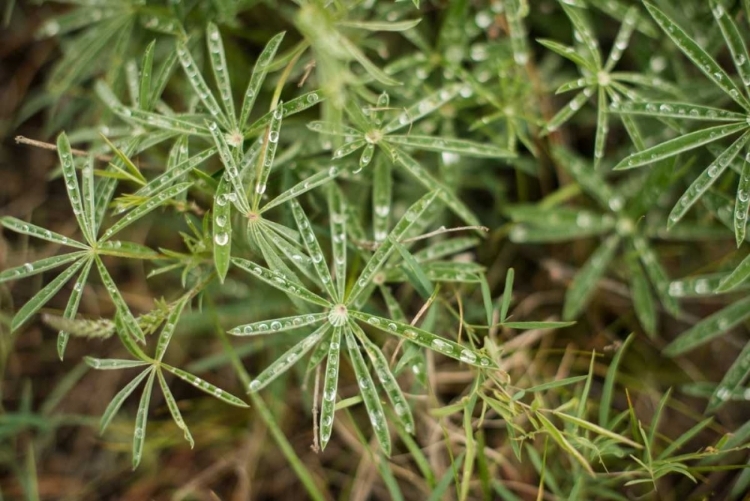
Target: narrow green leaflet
[278, 325]
[141, 419]
[734, 40]
[288, 359]
[558, 437]
[417, 276]
[596, 429]
[742, 202]
[702, 60]
[666, 109]
[222, 229]
[381, 26]
[736, 277]
[381, 199]
[679, 145]
[422, 108]
[232, 172]
[330, 385]
[643, 300]
[368, 65]
[174, 410]
[709, 328]
[43, 296]
[317, 179]
[348, 148]
[205, 386]
[622, 39]
[584, 32]
[585, 282]
[257, 77]
[313, 248]
[72, 307]
[130, 323]
[199, 85]
[387, 379]
[414, 213]
[110, 364]
[568, 111]
[118, 399]
[268, 153]
[30, 269]
[459, 146]
[568, 53]
[147, 66]
[221, 72]
[732, 380]
[71, 185]
[146, 207]
[369, 393]
[706, 179]
[299, 103]
[427, 339]
[337, 211]
[507, 294]
[33, 230]
[168, 330]
[129, 250]
[157, 185]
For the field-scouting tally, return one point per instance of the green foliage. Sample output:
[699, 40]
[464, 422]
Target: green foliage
[353, 270]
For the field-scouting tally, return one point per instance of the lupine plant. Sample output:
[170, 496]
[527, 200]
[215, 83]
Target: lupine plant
[395, 262]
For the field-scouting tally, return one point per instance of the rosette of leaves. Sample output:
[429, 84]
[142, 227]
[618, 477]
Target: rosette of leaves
[617, 225]
[598, 78]
[370, 131]
[339, 321]
[153, 368]
[89, 199]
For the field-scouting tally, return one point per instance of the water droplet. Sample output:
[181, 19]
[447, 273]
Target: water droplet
[220, 221]
[254, 385]
[221, 239]
[468, 356]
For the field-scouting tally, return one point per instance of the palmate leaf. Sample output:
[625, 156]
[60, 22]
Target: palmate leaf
[702, 60]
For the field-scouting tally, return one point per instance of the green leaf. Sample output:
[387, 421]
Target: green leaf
[414, 213]
[585, 282]
[560, 439]
[609, 383]
[604, 432]
[25, 228]
[622, 39]
[421, 108]
[205, 386]
[268, 153]
[568, 111]
[319, 178]
[736, 277]
[141, 419]
[382, 185]
[702, 60]
[584, 32]
[313, 248]
[369, 393]
[31, 269]
[222, 229]
[179, 170]
[387, 379]
[72, 307]
[43, 296]
[679, 145]
[568, 53]
[381, 25]
[133, 172]
[427, 339]
[296, 105]
[707, 178]
[199, 85]
[129, 322]
[643, 301]
[257, 77]
[507, 294]
[742, 202]
[146, 207]
[330, 385]
[459, 146]
[734, 40]
[414, 272]
[71, 184]
[732, 379]
[709, 328]
[667, 109]
[129, 250]
[337, 216]
[168, 330]
[536, 325]
[278, 325]
[110, 364]
[231, 170]
[147, 65]
[288, 359]
[359, 56]
[118, 399]
[221, 72]
[174, 410]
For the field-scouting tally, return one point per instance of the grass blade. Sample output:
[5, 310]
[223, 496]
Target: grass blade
[585, 282]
